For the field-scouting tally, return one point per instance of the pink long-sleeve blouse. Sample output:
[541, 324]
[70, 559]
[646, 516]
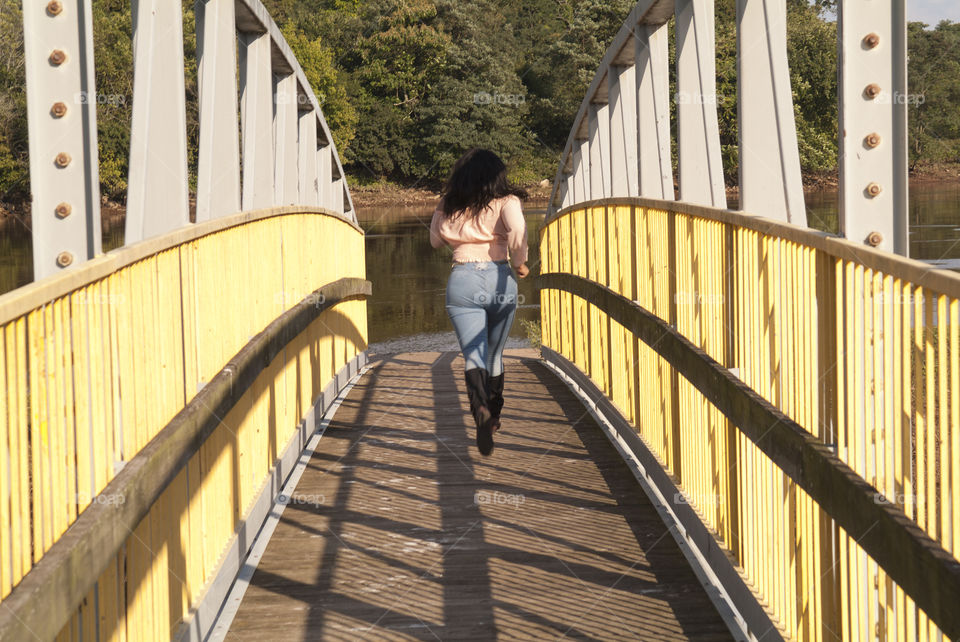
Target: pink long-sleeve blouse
[498, 230]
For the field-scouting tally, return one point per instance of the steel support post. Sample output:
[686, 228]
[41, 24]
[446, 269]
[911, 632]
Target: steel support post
[624, 170]
[307, 164]
[158, 195]
[599, 144]
[562, 198]
[581, 171]
[324, 176]
[256, 115]
[698, 132]
[336, 191]
[770, 180]
[652, 68]
[218, 167]
[285, 126]
[873, 123]
[62, 127]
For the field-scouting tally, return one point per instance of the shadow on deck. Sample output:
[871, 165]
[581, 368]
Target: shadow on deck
[400, 529]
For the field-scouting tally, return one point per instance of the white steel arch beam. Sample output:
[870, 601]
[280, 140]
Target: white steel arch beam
[285, 131]
[256, 117]
[581, 170]
[770, 179]
[338, 192]
[873, 123]
[653, 96]
[654, 12]
[62, 127]
[307, 163]
[563, 193]
[158, 198]
[599, 145]
[698, 131]
[218, 167]
[325, 177]
[61, 111]
[253, 16]
[624, 167]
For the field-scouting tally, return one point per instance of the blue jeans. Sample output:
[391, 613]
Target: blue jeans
[481, 302]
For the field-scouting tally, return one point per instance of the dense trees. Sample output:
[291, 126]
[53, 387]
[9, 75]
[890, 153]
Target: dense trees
[934, 98]
[13, 100]
[428, 78]
[406, 85]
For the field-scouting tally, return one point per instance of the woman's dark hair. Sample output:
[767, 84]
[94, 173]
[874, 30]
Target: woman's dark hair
[478, 177]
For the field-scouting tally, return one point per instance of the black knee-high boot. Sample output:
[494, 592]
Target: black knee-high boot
[495, 391]
[480, 408]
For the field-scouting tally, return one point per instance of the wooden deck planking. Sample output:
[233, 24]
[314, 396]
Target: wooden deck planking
[399, 529]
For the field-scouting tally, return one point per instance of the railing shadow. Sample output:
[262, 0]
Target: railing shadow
[405, 543]
[662, 558]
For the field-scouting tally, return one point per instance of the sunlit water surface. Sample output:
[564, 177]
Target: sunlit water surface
[406, 311]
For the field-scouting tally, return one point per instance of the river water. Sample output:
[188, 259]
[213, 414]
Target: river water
[406, 311]
[409, 278]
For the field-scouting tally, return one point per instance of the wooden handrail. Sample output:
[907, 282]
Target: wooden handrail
[916, 272]
[50, 593]
[926, 572]
[29, 297]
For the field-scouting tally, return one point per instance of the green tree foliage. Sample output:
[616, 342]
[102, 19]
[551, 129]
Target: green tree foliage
[812, 55]
[407, 85]
[564, 41]
[934, 97]
[114, 83]
[394, 64]
[318, 66]
[429, 79]
[479, 100]
[13, 102]
[112, 33]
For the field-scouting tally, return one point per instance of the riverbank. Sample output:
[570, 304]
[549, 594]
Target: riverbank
[389, 194]
[15, 216]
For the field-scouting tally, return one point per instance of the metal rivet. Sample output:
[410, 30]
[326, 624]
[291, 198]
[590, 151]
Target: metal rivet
[872, 90]
[62, 159]
[54, 8]
[64, 259]
[63, 210]
[872, 140]
[57, 57]
[871, 40]
[875, 239]
[59, 110]
[874, 189]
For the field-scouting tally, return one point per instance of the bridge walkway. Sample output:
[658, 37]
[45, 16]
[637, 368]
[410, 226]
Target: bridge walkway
[399, 529]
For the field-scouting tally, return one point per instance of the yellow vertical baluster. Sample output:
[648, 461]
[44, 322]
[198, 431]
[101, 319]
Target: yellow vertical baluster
[942, 465]
[124, 351]
[930, 427]
[7, 456]
[954, 437]
[100, 426]
[56, 432]
[39, 442]
[81, 304]
[16, 337]
[66, 412]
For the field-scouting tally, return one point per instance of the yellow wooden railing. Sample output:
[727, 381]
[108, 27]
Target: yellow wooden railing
[859, 347]
[96, 364]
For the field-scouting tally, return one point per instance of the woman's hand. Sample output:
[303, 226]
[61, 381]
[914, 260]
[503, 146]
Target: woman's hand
[522, 270]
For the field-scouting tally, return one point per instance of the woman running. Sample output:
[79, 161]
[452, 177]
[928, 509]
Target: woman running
[480, 217]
